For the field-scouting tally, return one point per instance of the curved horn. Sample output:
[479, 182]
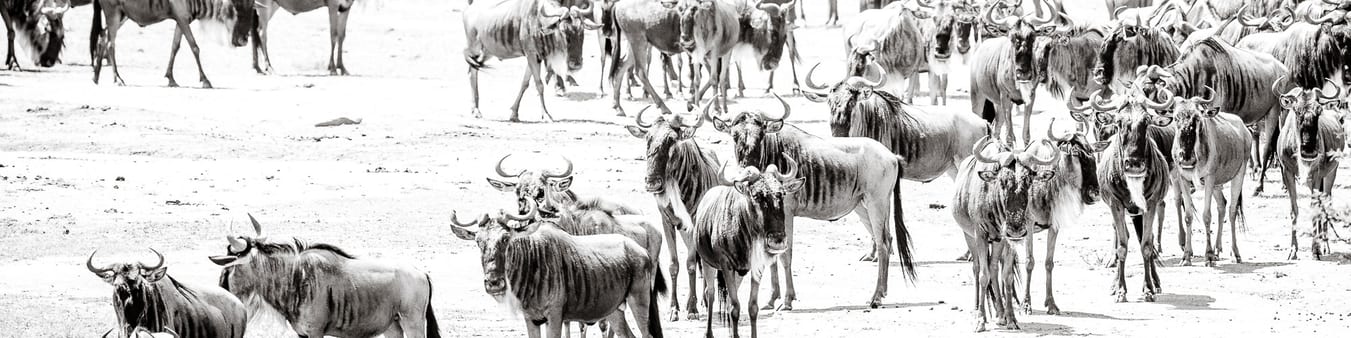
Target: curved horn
[1156, 105]
[787, 110]
[257, 228]
[1332, 2]
[503, 173]
[1049, 160]
[1209, 99]
[529, 215]
[1004, 22]
[456, 221]
[792, 169]
[1095, 101]
[881, 74]
[1050, 133]
[1250, 21]
[812, 84]
[1276, 85]
[698, 115]
[89, 263]
[926, 4]
[567, 171]
[551, 9]
[1327, 17]
[158, 264]
[977, 151]
[638, 120]
[576, 11]
[1046, 17]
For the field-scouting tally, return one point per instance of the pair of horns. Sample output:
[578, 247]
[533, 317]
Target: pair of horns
[856, 82]
[530, 215]
[779, 6]
[677, 120]
[100, 270]
[567, 170]
[787, 111]
[730, 178]
[1009, 21]
[1024, 156]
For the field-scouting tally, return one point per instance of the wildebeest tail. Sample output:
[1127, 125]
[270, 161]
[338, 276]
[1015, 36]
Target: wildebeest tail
[615, 61]
[902, 234]
[659, 283]
[987, 112]
[95, 30]
[724, 299]
[433, 330]
[1239, 213]
[653, 313]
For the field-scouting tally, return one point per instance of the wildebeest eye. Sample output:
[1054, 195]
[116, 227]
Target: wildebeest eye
[989, 175]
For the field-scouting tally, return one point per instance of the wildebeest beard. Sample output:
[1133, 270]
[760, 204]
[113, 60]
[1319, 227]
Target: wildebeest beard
[1309, 135]
[1079, 149]
[575, 36]
[140, 304]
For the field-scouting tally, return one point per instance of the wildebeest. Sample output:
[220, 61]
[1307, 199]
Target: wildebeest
[646, 24]
[1133, 174]
[893, 37]
[1004, 71]
[236, 13]
[337, 29]
[552, 277]
[1058, 201]
[1310, 142]
[841, 175]
[40, 27]
[1126, 48]
[991, 206]
[1210, 150]
[1066, 61]
[1114, 5]
[506, 29]
[145, 296]
[739, 231]
[767, 28]
[679, 172]
[710, 30]
[932, 143]
[322, 290]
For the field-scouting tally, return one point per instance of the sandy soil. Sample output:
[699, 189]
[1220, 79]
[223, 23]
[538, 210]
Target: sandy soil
[85, 166]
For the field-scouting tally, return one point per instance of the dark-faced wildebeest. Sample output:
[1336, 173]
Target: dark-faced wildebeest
[1134, 176]
[679, 172]
[893, 37]
[40, 27]
[739, 231]
[1310, 142]
[841, 175]
[1004, 72]
[236, 13]
[552, 277]
[322, 290]
[766, 29]
[1210, 150]
[145, 296]
[991, 206]
[507, 29]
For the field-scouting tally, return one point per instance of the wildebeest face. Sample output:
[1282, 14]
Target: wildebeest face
[1024, 41]
[748, 130]
[246, 22]
[45, 32]
[1189, 116]
[550, 189]
[1136, 144]
[942, 41]
[1307, 106]
[493, 235]
[661, 135]
[690, 13]
[132, 289]
[576, 39]
[769, 24]
[767, 192]
[1011, 174]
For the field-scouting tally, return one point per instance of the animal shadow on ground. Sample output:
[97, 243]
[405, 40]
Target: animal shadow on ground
[864, 307]
[581, 96]
[1075, 314]
[1044, 328]
[1342, 258]
[1186, 302]
[1249, 267]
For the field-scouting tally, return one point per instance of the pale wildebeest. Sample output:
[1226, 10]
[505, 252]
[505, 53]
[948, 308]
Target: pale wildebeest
[646, 24]
[739, 231]
[535, 29]
[679, 172]
[1058, 201]
[337, 29]
[1310, 142]
[1004, 71]
[145, 296]
[236, 13]
[894, 37]
[1134, 176]
[40, 27]
[767, 29]
[840, 175]
[551, 277]
[932, 143]
[1210, 150]
[991, 206]
[322, 290]
[551, 191]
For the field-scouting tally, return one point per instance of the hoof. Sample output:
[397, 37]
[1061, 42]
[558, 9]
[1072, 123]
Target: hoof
[1011, 326]
[692, 315]
[1052, 310]
[1238, 260]
[966, 257]
[1294, 254]
[1187, 260]
[787, 306]
[980, 327]
[1149, 297]
[173, 84]
[476, 113]
[1120, 297]
[206, 85]
[875, 303]
[675, 314]
[869, 257]
[1027, 307]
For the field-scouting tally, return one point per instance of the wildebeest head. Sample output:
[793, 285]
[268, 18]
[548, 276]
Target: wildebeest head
[1308, 107]
[254, 265]
[749, 129]
[769, 24]
[692, 13]
[1011, 175]
[1137, 151]
[550, 189]
[1077, 153]
[1131, 46]
[1279, 20]
[854, 93]
[1022, 34]
[661, 135]
[1188, 114]
[41, 29]
[580, 17]
[492, 236]
[246, 21]
[766, 192]
[135, 297]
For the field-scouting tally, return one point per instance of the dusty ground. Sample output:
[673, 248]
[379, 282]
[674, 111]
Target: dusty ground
[86, 166]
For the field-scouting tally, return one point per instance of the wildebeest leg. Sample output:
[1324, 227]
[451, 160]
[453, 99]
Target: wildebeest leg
[752, 308]
[473, 87]
[1184, 230]
[532, 65]
[337, 29]
[644, 58]
[556, 324]
[1219, 214]
[943, 88]
[173, 53]
[1209, 188]
[641, 301]
[1234, 207]
[1051, 308]
[1007, 258]
[11, 61]
[691, 267]
[733, 300]
[708, 304]
[618, 325]
[790, 292]
[1027, 118]
[1150, 254]
[1288, 171]
[395, 331]
[668, 222]
[979, 259]
[667, 72]
[877, 214]
[531, 329]
[740, 80]
[1270, 134]
[1121, 241]
[773, 285]
[870, 255]
[196, 53]
[834, 18]
[110, 52]
[1027, 286]
[260, 40]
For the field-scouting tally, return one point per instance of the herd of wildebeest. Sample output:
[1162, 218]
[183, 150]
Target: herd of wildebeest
[1175, 96]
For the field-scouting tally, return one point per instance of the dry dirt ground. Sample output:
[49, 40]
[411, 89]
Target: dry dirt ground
[85, 166]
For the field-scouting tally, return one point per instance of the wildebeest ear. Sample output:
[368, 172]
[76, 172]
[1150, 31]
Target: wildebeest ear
[154, 275]
[561, 184]
[774, 127]
[1045, 175]
[792, 186]
[1161, 120]
[462, 233]
[502, 185]
[1048, 29]
[1287, 101]
[1105, 118]
[1212, 112]
[637, 131]
[1077, 116]
[989, 175]
[1101, 145]
[719, 125]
